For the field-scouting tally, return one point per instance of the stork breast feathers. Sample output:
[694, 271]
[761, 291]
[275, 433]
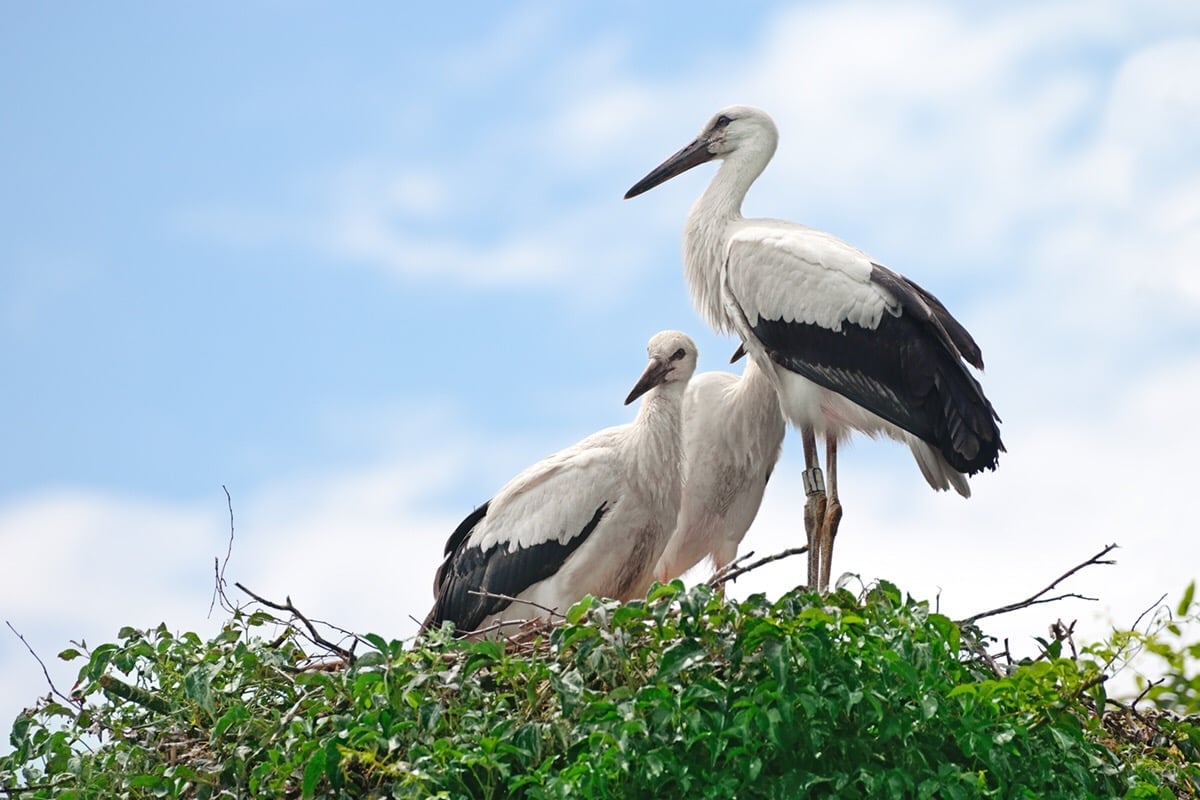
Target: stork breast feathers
[796, 274]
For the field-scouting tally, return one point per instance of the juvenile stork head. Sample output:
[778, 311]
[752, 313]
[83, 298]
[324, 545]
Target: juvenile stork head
[736, 129]
[672, 362]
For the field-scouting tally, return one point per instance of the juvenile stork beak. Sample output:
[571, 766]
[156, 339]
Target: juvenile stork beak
[693, 155]
[656, 373]
[737, 354]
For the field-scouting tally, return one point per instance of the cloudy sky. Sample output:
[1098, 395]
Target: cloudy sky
[361, 269]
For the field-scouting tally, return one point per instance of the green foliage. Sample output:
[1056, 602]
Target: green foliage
[1178, 659]
[684, 695]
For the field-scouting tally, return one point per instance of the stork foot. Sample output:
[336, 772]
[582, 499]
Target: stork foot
[829, 523]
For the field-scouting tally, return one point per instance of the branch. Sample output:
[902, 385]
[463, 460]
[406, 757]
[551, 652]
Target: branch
[317, 638]
[1037, 598]
[1152, 607]
[46, 672]
[1149, 685]
[732, 572]
[219, 571]
[53, 783]
[134, 694]
[552, 612]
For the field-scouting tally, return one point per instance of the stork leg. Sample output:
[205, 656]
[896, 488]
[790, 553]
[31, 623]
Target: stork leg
[814, 506]
[832, 516]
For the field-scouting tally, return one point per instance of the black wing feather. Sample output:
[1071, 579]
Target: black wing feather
[908, 370]
[498, 571]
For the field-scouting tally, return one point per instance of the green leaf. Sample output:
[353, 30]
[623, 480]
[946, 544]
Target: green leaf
[377, 641]
[236, 713]
[1185, 602]
[576, 613]
[197, 686]
[313, 772]
[70, 654]
[679, 657]
[370, 659]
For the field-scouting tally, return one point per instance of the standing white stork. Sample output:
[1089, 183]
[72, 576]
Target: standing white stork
[590, 519]
[732, 436]
[852, 345]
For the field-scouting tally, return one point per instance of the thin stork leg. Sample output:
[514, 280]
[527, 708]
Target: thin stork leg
[832, 516]
[814, 506]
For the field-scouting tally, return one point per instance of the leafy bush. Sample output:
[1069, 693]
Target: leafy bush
[684, 695]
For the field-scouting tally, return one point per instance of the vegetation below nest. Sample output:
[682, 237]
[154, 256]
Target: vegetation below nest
[684, 695]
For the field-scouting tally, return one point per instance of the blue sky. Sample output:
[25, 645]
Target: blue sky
[361, 269]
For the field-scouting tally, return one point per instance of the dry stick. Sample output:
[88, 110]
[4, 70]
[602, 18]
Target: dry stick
[1037, 598]
[730, 567]
[46, 672]
[727, 575]
[219, 571]
[1146, 691]
[1133, 710]
[553, 612]
[1152, 607]
[317, 638]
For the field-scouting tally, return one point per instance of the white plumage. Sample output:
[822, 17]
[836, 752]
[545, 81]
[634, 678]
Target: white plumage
[732, 435]
[590, 519]
[851, 344]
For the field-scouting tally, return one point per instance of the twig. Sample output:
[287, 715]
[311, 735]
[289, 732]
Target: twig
[1132, 709]
[496, 626]
[219, 571]
[1152, 607]
[1033, 599]
[553, 612]
[730, 567]
[46, 672]
[977, 649]
[1142, 696]
[728, 575]
[317, 638]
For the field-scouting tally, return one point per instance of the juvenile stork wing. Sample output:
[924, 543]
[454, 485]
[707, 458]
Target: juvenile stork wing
[824, 310]
[525, 533]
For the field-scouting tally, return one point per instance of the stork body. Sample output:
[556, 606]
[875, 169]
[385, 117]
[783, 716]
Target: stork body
[732, 436]
[590, 519]
[852, 345]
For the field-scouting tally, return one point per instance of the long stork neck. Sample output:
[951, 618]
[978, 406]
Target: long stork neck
[706, 233]
[656, 452]
[758, 389]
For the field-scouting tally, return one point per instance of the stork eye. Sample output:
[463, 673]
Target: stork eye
[678, 354]
[722, 121]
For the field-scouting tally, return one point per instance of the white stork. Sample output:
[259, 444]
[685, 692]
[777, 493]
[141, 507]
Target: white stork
[590, 519]
[851, 344]
[732, 436]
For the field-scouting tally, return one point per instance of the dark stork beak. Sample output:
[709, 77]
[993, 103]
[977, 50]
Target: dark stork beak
[693, 155]
[737, 354]
[656, 373]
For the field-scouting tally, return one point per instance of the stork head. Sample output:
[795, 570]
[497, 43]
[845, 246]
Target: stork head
[672, 361]
[731, 129]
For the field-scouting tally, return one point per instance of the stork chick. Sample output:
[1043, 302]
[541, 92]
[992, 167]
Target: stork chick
[590, 519]
[732, 437]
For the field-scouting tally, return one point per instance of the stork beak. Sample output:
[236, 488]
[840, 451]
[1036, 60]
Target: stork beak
[693, 155]
[737, 354]
[656, 372]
